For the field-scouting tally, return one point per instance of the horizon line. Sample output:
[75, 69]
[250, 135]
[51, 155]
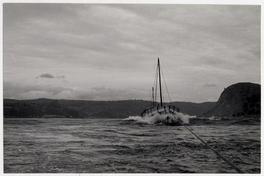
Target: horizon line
[103, 100]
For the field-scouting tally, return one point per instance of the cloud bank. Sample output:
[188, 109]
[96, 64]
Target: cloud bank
[203, 48]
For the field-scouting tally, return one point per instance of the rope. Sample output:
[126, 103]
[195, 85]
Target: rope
[216, 152]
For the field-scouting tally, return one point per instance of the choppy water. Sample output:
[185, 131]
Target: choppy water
[117, 146]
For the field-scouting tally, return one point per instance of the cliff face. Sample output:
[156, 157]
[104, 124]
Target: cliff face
[238, 100]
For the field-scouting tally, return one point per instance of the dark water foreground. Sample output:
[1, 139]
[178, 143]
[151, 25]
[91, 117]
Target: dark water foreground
[116, 146]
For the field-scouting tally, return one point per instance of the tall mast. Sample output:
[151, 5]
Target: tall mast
[160, 83]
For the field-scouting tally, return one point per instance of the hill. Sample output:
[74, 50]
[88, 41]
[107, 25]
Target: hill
[241, 99]
[88, 109]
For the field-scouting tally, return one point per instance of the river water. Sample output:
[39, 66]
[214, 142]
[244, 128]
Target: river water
[117, 146]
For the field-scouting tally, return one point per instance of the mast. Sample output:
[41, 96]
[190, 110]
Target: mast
[160, 83]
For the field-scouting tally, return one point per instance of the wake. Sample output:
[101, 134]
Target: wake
[157, 118]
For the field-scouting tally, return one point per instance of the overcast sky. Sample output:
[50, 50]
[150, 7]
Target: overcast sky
[109, 52]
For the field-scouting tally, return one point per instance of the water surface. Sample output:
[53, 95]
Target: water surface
[118, 146]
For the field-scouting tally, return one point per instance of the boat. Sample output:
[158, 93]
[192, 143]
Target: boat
[164, 113]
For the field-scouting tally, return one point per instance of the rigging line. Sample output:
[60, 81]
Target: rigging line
[156, 85]
[216, 152]
[154, 81]
[166, 86]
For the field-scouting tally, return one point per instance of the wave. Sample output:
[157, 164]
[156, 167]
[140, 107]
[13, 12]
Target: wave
[160, 118]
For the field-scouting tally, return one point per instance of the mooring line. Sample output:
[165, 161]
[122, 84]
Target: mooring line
[216, 152]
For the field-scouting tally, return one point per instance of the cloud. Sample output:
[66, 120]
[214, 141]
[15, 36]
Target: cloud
[23, 91]
[46, 75]
[50, 76]
[18, 91]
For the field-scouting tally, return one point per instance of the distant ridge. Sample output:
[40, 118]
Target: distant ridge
[239, 99]
[86, 109]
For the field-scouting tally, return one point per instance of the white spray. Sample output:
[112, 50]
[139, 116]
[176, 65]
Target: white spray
[160, 118]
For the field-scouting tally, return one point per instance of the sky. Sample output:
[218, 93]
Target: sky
[110, 51]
